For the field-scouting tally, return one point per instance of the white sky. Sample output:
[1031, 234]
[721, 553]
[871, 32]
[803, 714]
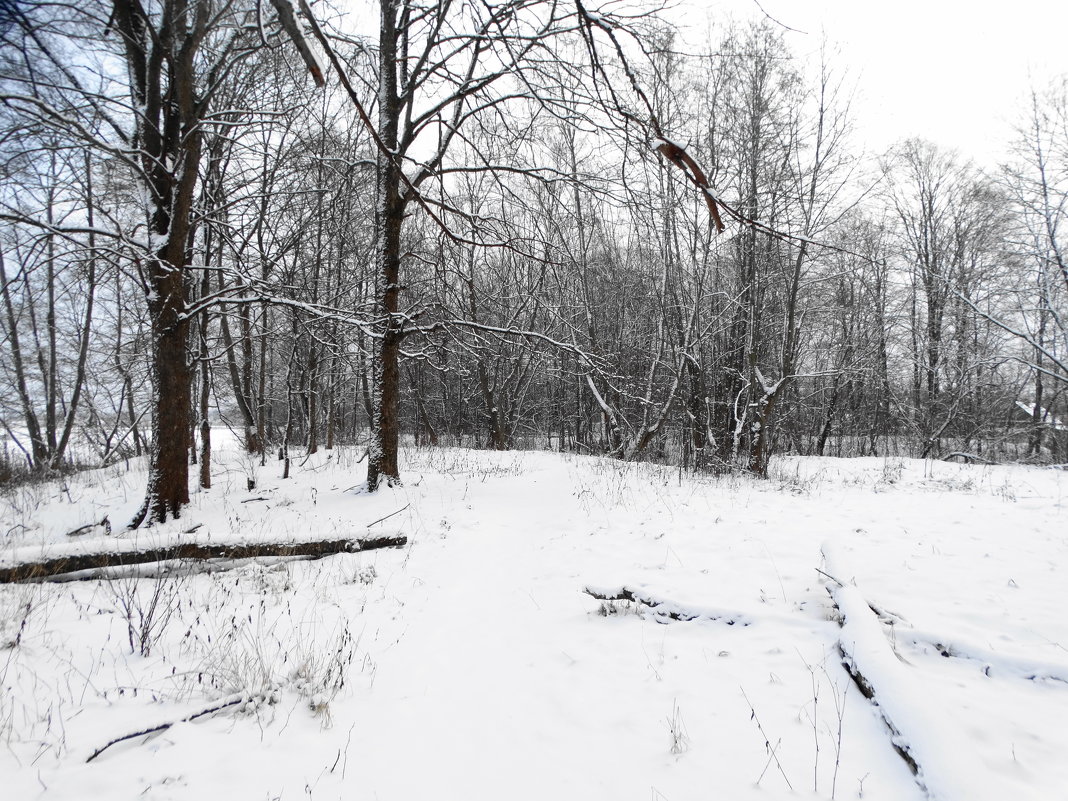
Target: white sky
[951, 71]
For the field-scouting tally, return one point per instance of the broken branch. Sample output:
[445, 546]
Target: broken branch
[223, 704]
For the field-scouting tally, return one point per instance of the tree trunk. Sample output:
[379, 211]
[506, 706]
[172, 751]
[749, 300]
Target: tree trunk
[39, 454]
[385, 359]
[828, 417]
[83, 341]
[168, 478]
[205, 384]
[169, 137]
[1034, 441]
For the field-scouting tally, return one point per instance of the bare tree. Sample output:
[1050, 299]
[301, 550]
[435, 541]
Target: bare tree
[1037, 182]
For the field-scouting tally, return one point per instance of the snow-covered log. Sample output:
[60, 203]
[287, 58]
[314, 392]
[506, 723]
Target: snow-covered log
[663, 609]
[943, 768]
[46, 568]
[867, 656]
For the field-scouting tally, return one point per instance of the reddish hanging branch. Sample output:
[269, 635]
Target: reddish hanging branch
[590, 23]
[673, 152]
[678, 156]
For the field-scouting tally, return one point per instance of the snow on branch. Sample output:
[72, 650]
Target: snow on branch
[1061, 374]
[287, 16]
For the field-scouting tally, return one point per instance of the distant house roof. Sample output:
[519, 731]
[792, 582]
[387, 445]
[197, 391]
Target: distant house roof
[1047, 418]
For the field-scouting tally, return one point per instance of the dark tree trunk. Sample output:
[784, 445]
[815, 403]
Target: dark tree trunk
[261, 390]
[760, 444]
[313, 399]
[205, 380]
[385, 360]
[828, 417]
[1034, 440]
[168, 480]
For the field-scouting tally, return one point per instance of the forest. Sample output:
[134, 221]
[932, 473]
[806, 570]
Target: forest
[512, 225]
[526, 399]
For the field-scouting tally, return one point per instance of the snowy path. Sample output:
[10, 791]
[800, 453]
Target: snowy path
[504, 681]
[485, 676]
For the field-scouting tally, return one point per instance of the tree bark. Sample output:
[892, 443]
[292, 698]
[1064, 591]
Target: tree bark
[385, 359]
[168, 481]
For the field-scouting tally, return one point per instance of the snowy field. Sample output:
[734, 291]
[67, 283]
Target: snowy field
[471, 664]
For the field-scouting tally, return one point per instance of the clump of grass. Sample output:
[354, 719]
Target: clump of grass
[237, 649]
[794, 480]
[680, 739]
[17, 604]
[147, 606]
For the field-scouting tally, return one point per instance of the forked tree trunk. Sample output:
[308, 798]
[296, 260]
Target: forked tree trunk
[169, 139]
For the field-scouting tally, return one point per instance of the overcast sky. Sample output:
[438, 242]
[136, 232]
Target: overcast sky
[951, 71]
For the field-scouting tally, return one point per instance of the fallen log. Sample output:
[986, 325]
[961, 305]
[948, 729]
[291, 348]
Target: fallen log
[46, 568]
[895, 688]
[861, 641]
[104, 525]
[969, 458]
[663, 609]
[990, 662]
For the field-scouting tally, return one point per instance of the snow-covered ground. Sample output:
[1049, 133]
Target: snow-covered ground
[471, 665]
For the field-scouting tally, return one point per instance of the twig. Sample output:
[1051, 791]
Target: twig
[767, 740]
[776, 21]
[387, 517]
[839, 582]
[231, 701]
